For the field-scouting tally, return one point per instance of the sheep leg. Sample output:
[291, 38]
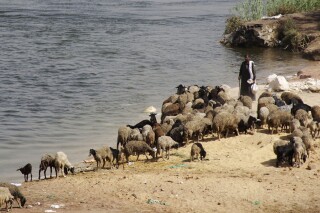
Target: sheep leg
[168, 153]
[162, 154]
[138, 157]
[50, 171]
[104, 162]
[31, 176]
[45, 173]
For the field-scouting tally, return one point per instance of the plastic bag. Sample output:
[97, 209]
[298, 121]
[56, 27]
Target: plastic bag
[254, 88]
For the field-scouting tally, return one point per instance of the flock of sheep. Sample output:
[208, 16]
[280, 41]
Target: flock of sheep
[190, 114]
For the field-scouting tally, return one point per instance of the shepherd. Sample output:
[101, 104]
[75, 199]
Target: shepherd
[247, 77]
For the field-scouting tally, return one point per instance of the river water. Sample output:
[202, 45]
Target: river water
[73, 71]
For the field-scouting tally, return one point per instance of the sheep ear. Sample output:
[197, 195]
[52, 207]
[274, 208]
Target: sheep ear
[18, 169]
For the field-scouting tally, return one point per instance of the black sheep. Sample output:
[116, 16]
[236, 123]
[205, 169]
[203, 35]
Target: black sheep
[26, 170]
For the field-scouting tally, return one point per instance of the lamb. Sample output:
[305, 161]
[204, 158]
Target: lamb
[284, 151]
[47, 160]
[249, 122]
[299, 150]
[314, 128]
[123, 135]
[196, 151]
[165, 143]
[290, 97]
[246, 100]
[62, 164]
[5, 197]
[15, 192]
[26, 170]
[101, 155]
[225, 121]
[138, 147]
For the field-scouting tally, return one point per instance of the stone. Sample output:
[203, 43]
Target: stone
[271, 78]
[315, 89]
[311, 166]
[313, 50]
[279, 84]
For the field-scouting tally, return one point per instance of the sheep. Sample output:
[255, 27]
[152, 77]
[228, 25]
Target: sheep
[172, 109]
[150, 138]
[294, 124]
[246, 100]
[308, 142]
[123, 135]
[171, 99]
[140, 124]
[297, 133]
[263, 115]
[272, 107]
[264, 102]
[196, 151]
[116, 155]
[47, 160]
[285, 118]
[299, 150]
[15, 192]
[101, 155]
[165, 143]
[273, 121]
[314, 128]
[158, 132]
[138, 147]
[26, 170]
[135, 135]
[6, 197]
[225, 121]
[166, 126]
[181, 89]
[290, 97]
[62, 164]
[194, 88]
[195, 127]
[284, 151]
[315, 112]
[179, 134]
[145, 130]
[265, 94]
[248, 122]
[300, 106]
[277, 101]
[302, 116]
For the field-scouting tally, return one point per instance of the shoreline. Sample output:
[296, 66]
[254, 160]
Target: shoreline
[238, 173]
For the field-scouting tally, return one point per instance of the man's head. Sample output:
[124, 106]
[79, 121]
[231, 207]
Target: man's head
[247, 58]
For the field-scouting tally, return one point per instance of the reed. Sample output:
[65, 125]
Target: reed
[255, 9]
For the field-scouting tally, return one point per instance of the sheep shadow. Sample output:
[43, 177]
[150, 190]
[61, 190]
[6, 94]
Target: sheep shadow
[270, 163]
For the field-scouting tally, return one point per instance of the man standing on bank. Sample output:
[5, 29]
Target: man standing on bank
[247, 77]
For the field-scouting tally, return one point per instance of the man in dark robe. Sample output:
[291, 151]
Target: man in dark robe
[247, 77]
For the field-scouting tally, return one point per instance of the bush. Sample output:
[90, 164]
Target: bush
[233, 24]
[291, 38]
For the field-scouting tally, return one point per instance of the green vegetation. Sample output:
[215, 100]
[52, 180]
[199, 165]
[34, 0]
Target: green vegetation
[233, 24]
[292, 39]
[275, 7]
[255, 9]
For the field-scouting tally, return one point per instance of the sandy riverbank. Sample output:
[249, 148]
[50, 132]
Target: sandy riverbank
[239, 175]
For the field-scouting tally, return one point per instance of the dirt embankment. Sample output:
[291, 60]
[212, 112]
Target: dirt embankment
[239, 175]
[266, 33]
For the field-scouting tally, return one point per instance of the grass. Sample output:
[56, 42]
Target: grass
[255, 9]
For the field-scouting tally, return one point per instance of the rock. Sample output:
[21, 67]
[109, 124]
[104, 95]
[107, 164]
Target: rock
[279, 84]
[315, 89]
[271, 78]
[311, 166]
[313, 50]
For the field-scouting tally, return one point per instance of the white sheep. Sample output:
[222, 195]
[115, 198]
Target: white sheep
[165, 143]
[5, 197]
[62, 164]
